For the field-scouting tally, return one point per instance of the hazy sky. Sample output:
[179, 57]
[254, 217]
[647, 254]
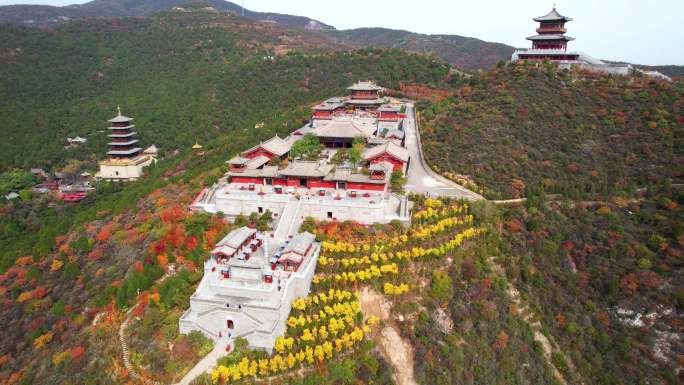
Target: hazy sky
[639, 31]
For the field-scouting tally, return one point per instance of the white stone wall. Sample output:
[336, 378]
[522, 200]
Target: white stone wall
[257, 317]
[233, 206]
[366, 214]
[122, 172]
[342, 210]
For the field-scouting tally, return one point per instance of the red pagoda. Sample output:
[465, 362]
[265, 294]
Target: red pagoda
[550, 43]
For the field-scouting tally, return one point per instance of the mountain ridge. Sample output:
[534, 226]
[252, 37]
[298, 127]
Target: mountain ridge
[46, 15]
[464, 52]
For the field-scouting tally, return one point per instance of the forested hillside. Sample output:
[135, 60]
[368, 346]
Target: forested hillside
[565, 132]
[599, 263]
[605, 280]
[179, 75]
[184, 77]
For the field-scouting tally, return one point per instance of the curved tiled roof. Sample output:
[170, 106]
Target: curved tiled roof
[390, 148]
[276, 145]
[257, 162]
[551, 37]
[120, 118]
[300, 244]
[131, 151]
[344, 129]
[552, 16]
[238, 160]
[365, 86]
[237, 237]
[309, 169]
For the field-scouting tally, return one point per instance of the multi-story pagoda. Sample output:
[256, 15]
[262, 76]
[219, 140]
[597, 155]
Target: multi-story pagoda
[126, 159]
[550, 43]
[123, 144]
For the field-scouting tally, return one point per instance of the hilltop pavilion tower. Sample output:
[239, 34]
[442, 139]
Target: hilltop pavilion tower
[125, 159]
[550, 43]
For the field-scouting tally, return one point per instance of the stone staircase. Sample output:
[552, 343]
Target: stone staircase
[126, 354]
[287, 218]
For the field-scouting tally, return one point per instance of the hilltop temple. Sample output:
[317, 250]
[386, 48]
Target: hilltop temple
[551, 43]
[265, 178]
[252, 277]
[126, 159]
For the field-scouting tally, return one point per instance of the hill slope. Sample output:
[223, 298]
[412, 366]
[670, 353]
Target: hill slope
[600, 267]
[572, 133]
[463, 52]
[67, 81]
[184, 77]
[48, 15]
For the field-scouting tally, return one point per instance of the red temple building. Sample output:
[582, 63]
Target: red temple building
[315, 176]
[258, 156]
[365, 96]
[389, 113]
[328, 109]
[550, 43]
[271, 148]
[389, 152]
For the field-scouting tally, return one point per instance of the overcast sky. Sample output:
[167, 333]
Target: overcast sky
[638, 31]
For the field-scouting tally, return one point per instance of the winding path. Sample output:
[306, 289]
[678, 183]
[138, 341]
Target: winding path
[421, 178]
[125, 352]
[205, 365]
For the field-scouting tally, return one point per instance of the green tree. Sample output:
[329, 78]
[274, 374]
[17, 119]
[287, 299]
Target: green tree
[307, 148]
[340, 156]
[15, 180]
[356, 152]
[440, 286]
[343, 372]
[398, 181]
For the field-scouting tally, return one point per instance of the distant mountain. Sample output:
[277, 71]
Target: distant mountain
[44, 15]
[463, 52]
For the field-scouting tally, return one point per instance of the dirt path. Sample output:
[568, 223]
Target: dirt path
[124, 344]
[397, 351]
[125, 352]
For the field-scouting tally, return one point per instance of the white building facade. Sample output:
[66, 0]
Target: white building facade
[249, 285]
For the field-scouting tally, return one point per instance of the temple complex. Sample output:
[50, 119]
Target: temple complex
[252, 278]
[248, 287]
[126, 159]
[337, 124]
